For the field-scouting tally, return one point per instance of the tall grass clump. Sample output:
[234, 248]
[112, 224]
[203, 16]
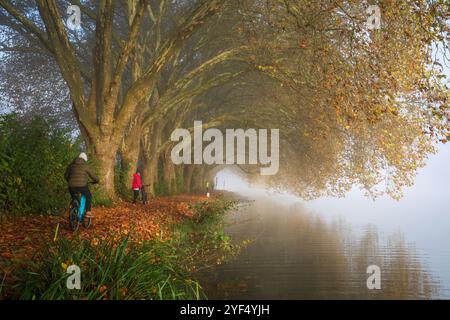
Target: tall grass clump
[109, 270]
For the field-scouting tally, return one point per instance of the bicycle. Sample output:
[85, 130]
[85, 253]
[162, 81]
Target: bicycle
[144, 194]
[77, 213]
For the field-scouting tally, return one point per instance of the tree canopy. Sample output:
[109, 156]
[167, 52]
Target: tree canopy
[354, 105]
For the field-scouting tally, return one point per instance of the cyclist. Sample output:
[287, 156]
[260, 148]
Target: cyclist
[137, 185]
[77, 177]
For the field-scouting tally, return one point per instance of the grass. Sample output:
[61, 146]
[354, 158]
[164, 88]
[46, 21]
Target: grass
[126, 269]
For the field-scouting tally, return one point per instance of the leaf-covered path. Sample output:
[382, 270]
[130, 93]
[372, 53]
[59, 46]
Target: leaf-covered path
[21, 237]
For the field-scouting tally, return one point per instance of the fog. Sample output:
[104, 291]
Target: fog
[422, 215]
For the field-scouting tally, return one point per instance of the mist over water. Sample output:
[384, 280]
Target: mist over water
[322, 248]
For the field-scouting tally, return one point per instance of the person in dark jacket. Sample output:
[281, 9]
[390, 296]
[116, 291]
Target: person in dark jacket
[76, 175]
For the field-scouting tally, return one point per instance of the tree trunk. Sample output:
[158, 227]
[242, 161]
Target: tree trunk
[150, 172]
[198, 180]
[130, 160]
[179, 178]
[188, 172]
[150, 157]
[169, 172]
[104, 155]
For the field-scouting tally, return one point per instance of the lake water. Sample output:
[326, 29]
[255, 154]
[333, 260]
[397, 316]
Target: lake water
[321, 249]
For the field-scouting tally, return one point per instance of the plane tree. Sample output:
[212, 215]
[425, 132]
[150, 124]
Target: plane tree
[353, 105]
[114, 63]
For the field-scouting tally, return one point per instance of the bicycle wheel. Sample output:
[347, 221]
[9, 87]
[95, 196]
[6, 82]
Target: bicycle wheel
[87, 222]
[144, 197]
[73, 215]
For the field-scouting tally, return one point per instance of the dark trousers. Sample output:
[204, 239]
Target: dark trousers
[135, 195]
[84, 191]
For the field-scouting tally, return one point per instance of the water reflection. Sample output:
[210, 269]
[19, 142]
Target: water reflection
[298, 255]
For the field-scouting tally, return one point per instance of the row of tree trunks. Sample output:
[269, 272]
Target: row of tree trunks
[104, 103]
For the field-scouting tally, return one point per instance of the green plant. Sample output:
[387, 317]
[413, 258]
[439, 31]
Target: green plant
[33, 158]
[109, 270]
[204, 234]
[100, 198]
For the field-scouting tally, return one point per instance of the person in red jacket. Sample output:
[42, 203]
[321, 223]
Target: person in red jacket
[137, 185]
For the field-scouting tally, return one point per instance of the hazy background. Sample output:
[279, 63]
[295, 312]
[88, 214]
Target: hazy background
[422, 215]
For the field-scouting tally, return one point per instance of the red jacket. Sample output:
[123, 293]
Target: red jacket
[137, 183]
